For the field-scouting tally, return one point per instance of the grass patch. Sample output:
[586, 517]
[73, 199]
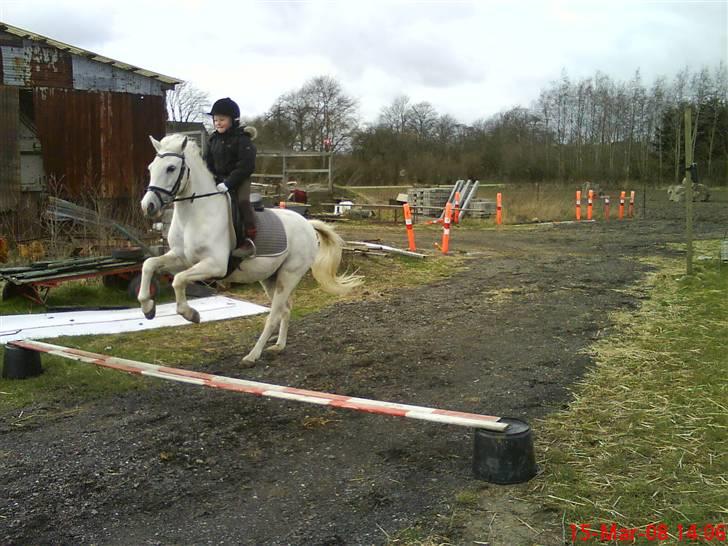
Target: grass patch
[646, 438]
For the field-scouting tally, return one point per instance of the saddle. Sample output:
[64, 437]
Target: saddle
[270, 239]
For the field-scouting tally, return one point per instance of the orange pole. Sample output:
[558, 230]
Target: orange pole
[456, 215]
[446, 228]
[282, 205]
[630, 212]
[621, 205]
[578, 204]
[606, 208]
[410, 228]
[589, 203]
[498, 208]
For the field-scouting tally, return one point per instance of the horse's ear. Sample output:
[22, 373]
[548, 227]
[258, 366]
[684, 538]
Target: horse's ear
[157, 145]
[184, 143]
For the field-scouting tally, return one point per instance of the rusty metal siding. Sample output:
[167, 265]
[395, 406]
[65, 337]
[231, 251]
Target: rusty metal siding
[90, 74]
[98, 141]
[34, 65]
[9, 148]
[16, 66]
[49, 67]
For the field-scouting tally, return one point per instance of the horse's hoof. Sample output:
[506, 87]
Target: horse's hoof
[275, 349]
[247, 362]
[151, 312]
[193, 316]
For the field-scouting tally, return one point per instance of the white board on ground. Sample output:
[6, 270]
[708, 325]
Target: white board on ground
[81, 323]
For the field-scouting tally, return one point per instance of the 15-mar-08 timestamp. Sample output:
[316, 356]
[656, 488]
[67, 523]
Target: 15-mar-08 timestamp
[610, 532]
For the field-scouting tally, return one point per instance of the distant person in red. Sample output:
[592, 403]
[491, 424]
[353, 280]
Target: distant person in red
[296, 195]
[231, 159]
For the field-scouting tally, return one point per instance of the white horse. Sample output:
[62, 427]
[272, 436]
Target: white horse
[201, 238]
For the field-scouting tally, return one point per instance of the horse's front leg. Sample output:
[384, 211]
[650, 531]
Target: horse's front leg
[168, 261]
[208, 268]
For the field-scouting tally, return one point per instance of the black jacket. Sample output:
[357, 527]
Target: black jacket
[231, 157]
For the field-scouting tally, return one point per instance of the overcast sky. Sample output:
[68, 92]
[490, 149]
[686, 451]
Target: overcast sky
[469, 59]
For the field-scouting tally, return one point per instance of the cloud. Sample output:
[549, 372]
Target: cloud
[92, 23]
[469, 59]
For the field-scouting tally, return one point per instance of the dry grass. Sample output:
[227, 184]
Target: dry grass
[646, 438]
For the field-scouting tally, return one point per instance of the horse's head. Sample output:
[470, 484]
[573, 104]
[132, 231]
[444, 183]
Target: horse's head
[166, 174]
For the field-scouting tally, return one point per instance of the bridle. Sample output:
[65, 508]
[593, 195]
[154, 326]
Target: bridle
[172, 194]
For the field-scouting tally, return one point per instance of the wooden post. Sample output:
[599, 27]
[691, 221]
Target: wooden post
[498, 208]
[331, 169]
[689, 190]
[621, 204]
[606, 208]
[284, 180]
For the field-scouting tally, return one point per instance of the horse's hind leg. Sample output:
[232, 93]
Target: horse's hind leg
[282, 329]
[269, 285]
[285, 283]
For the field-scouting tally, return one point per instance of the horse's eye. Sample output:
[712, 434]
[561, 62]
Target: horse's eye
[170, 168]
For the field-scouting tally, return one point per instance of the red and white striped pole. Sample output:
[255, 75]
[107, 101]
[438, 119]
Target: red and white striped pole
[446, 228]
[393, 409]
[589, 203]
[578, 204]
[630, 211]
[410, 228]
[456, 213]
[621, 205]
[606, 208]
[498, 208]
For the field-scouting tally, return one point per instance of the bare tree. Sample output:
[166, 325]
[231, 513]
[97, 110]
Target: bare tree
[187, 103]
[317, 112]
[422, 120]
[396, 116]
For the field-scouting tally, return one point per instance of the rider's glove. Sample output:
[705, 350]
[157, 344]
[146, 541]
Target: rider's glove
[222, 188]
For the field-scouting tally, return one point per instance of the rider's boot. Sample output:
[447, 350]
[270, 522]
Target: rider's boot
[247, 247]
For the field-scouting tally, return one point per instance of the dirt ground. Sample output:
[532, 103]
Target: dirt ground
[177, 464]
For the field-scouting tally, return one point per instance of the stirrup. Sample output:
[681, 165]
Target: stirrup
[245, 251]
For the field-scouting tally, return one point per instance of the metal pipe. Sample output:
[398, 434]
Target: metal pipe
[456, 187]
[464, 208]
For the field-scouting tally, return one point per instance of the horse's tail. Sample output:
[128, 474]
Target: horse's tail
[327, 261]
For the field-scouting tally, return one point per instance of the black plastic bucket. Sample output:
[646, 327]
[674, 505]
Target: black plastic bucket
[505, 457]
[20, 363]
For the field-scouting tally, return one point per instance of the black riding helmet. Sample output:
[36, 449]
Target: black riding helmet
[225, 107]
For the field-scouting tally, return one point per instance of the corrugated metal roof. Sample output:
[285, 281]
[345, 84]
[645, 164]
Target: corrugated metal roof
[87, 54]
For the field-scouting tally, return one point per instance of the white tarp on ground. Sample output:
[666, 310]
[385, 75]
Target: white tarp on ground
[80, 323]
